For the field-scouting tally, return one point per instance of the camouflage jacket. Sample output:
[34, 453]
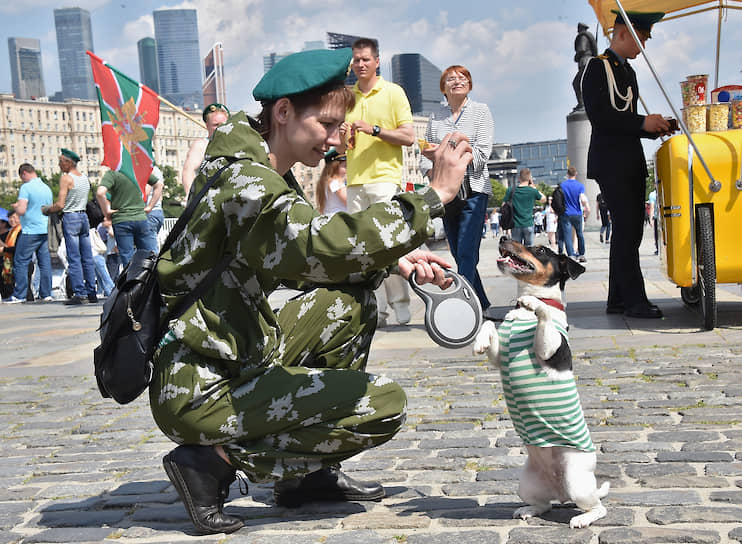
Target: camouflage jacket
[275, 236]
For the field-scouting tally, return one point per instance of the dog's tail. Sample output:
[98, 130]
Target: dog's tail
[603, 491]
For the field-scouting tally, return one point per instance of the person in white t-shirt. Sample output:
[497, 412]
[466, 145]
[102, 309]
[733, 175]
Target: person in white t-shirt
[330, 193]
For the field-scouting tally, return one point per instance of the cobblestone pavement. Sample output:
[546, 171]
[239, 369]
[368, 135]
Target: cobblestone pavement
[663, 401]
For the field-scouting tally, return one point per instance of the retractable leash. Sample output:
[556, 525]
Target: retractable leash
[453, 316]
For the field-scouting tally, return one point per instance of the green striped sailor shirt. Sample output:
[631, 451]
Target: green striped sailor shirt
[544, 412]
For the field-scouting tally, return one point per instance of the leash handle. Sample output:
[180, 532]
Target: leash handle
[453, 316]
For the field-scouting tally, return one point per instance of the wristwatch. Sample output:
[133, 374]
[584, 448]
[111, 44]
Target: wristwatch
[376, 130]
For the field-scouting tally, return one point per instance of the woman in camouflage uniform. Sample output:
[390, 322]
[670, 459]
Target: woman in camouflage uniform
[284, 397]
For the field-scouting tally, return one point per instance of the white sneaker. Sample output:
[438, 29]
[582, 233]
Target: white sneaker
[47, 299]
[14, 300]
[402, 312]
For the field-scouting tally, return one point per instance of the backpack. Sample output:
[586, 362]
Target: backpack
[134, 318]
[507, 221]
[557, 201]
[94, 213]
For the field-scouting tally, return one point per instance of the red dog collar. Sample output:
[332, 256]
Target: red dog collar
[550, 302]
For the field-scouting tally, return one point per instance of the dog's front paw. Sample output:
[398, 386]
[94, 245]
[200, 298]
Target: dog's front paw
[532, 304]
[484, 338]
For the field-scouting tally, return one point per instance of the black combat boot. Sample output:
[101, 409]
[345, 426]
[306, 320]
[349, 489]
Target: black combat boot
[327, 484]
[202, 480]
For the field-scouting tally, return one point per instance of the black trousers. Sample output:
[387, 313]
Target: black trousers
[624, 192]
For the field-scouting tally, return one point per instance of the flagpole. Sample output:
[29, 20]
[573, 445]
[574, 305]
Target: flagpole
[181, 111]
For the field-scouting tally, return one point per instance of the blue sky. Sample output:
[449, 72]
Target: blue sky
[519, 53]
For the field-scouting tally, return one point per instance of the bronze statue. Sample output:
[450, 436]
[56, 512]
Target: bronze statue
[586, 47]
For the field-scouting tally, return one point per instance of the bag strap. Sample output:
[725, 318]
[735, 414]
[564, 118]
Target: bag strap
[196, 293]
[182, 221]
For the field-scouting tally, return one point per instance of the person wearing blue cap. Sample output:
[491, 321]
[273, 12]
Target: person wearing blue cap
[616, 158]
[283, 395]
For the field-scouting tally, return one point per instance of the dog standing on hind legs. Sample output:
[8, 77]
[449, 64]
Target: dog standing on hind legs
[532, 352]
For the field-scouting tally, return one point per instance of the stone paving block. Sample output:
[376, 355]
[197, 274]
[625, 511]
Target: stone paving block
[384, 519]
[726, 496]
[548, 535]
[244, 537]
[358, 537]
[480, 488]
[726, 445]
[654, 470]
[71, 489]
[736, 534]
[681, 481]
[304, 525]
[724, 469]
[75, 534]
[698, 514]
[461, 537]
[122, 501]
[141, 488]
[693, 456]
[498, 475]
[422, 505]
[654, 498]
[484, 516]
[657, 535]
[620, 447]
[73, 518]
[74, 505]
[431, 463]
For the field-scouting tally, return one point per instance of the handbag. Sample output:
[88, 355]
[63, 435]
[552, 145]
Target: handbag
[134, 317]
[97, 243]
[507, 220]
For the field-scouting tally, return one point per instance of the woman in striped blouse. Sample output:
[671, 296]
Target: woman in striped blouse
[465, 216]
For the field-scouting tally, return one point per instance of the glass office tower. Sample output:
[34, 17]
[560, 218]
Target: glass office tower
[27, 78]
[420, 79]
[178, 56]
[148, 63]
[74, 37]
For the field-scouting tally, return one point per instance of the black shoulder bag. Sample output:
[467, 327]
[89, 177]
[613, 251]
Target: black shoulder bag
[134, 318]
[506, 213]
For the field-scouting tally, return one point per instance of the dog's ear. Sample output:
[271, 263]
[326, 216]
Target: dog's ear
[569, 269]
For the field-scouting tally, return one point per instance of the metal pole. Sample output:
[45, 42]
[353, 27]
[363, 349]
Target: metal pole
[718, 45]
[715, 185]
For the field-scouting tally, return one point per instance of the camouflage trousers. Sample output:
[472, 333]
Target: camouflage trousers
[312, 408]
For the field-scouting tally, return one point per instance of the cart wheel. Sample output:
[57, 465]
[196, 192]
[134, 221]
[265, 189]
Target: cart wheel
[706, 267]
[690, 295]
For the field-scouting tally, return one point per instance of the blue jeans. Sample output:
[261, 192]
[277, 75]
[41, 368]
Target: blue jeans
[25, 247]
[567, 222]
[524, 235]
[464, 233]
[80, 266]
[101, 274]
[132, 235]
[156, 218]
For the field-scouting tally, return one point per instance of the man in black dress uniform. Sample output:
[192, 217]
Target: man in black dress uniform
[616, 158]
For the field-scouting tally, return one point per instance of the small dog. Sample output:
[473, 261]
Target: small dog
[531, 350]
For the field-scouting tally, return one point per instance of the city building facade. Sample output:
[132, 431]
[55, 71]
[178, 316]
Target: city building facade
[148, 75]
[34, 131]
[74, 38]
[420, 79]
[547, 160]
[26, 74]
[178, 56]
[502, 166]
[214, 89]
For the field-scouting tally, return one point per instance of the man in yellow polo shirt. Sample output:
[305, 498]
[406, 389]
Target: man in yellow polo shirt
[375, 131]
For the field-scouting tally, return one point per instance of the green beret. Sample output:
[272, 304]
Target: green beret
[71, 155]
[640, 20]
[333, 155]
[303, 71]
[211, 108]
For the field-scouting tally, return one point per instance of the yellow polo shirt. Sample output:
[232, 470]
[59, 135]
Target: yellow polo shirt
[373, 160]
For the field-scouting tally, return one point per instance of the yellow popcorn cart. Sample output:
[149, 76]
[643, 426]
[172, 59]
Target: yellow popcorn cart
[698, 175]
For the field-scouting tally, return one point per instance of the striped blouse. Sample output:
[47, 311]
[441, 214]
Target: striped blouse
[476, 122]
[544, 412]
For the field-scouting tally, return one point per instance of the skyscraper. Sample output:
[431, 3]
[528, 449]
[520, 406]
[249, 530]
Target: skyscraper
[148, 63]
[26, 75]
[178, 56]
[338, 41]
[74, 37]
[420, 79]
[214, 87]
